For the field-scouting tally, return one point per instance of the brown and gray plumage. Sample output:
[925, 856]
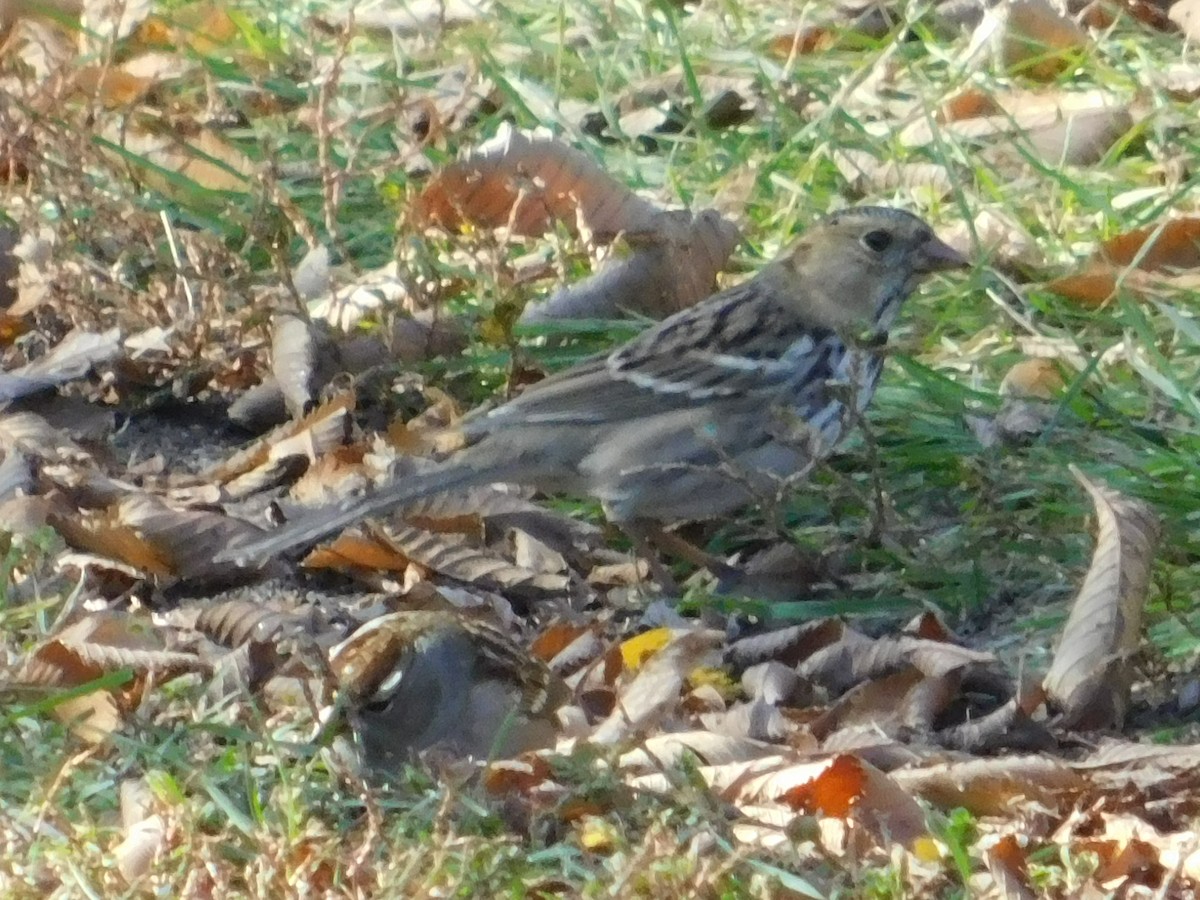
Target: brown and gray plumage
[681, 422]
[414, 680]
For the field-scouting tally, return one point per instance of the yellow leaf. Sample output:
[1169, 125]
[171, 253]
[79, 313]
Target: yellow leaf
[637, 650]
[597, 835]
[716, 678]
[926, 850]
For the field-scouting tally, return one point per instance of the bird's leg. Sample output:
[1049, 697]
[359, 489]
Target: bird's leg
[649, 538]
[641, 534]
[671, 543]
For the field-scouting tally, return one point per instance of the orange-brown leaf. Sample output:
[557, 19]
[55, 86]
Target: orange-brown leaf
[1171, 245]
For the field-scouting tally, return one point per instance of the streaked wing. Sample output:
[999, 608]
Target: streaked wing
[585, 394]
[735, 344]
[719, 348]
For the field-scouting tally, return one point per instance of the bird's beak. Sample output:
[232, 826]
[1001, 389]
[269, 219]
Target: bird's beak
[935, 255]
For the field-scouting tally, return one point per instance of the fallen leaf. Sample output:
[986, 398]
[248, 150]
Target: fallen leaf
[527, 183]
[1186, 14]
[674, 264]
[992, 787]
[202, 157]
[1038, 379]
[850, 788]
[1059, 128]
[1030, 38]
[635, 651]
[1173, 244]
[866, 175]
[654, 691]
[145, 832]
[1007, 864]
[1092, 671]
[303, 360]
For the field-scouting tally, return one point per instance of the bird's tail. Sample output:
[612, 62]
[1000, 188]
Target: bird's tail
[320, 523]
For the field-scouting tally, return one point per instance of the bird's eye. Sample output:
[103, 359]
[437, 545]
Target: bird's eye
[877, 241]
[378, 707]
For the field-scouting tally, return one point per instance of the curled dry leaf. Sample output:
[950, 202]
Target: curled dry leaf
[338, 472]
[894, 703]
[930, 626]
[786, 645]
[303, 360]
[849, 788]
[72, 358]
[673, 265]
[236, 622]
[1116, 758]
[840, 787]
[305, 356]
[144, 831]
[534, 555]
[325, 428]
[1174, 244]
[774, 683]
[991, 787]
[526, 183]
[102, 643]
[555, 638]
[106, 537]
[94, 646]
[866, 174]
[884, 753]
[757, 721]
[753, 781]
[186, 540]
[586, 648]
[1008, 727]
[142, 844]
[1091, 675]
[857, 658]
[358, 552]
[452, 555]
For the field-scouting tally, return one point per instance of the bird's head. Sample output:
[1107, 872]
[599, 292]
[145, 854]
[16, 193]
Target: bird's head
[854, 268]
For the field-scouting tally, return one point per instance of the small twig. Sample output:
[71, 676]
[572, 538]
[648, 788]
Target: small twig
[177, 258]
[1020, 318]
[61, 776]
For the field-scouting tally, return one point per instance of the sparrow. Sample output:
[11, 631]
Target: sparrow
[416, 680]
[703, 412]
